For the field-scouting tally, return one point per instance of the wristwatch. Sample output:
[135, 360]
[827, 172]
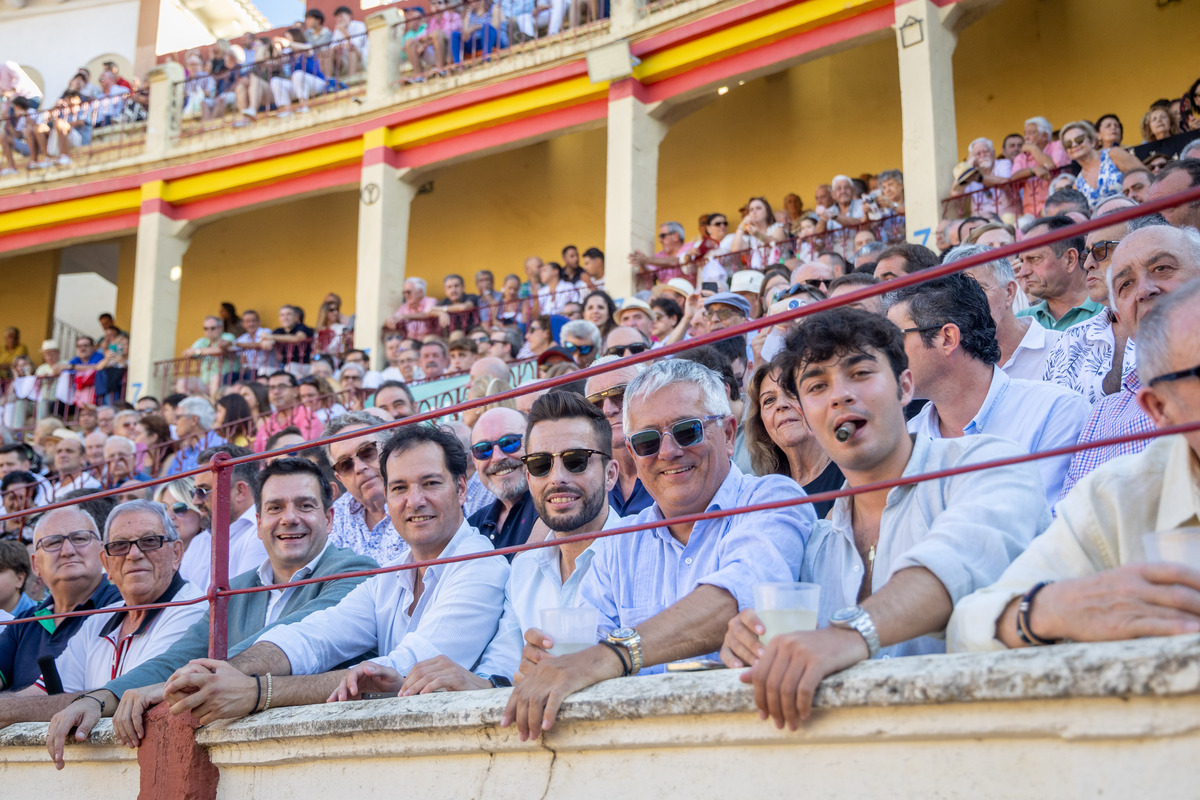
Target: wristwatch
[856, 618]
[631, 640]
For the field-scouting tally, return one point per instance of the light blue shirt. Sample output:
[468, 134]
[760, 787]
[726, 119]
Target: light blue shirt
[637, 576]
[1037, 416]
[456, 616]
[966, 530]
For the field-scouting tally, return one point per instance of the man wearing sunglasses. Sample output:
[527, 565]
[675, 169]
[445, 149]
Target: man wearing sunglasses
[667, 593]
[245, 548]
[497, 445]
[1085, 579]
[890, 563]
[66, 557]
[141, 554]
[294, 513]
[625, 341]
[1148, 265]
[606, 392]
[581, 339]
[360, 519]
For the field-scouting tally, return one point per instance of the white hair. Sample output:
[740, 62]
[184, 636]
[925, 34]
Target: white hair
[1190, 150]
[843, 178]
[661, 374]
[125, 442]
[417, 282]
[199, 408]
[1001, 268]
[134, 506]
[581, 329]
[1042, 124]
[982, 140]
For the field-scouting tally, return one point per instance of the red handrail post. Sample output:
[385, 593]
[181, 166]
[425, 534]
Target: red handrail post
[218, 623]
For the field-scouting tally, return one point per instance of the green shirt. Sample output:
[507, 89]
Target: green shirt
[1041, 312]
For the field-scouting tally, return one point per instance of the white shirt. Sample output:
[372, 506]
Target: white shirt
[457, 615]
[1028, 361]
[966, 530]
[1037, 416]
[5, 616]
[277, 598]
[95, 655]
[196, 564]
[554, 302]
[83, 480]
[246, 550]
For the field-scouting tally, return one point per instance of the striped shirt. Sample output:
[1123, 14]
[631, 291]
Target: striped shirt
[1116, 415]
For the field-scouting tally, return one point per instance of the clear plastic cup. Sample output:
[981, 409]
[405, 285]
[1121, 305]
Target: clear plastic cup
[786, 607]
[1180, 545]
[572, 629]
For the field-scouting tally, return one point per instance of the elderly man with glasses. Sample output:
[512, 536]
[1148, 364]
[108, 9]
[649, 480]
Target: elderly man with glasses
[668, 593]
[66, 557]
[360, 518]
[141, 555]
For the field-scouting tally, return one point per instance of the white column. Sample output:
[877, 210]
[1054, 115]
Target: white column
[384, 204]
[925, 40]
[383, 59]
[166, 109]
[631, 186]
[161, 243]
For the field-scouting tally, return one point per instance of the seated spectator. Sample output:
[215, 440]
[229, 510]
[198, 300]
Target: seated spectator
[1024, 344]
[759, 234]
[582, 340]
[255, 346]
[853, 282]
[457, 309]
[14, 573]
[434, 358]
[396, 398]
[635, 579]
[1100, 171]
[69, 457]
[478, 33]
[1158, 124]
[992, 235]
[846, 211]
[591, 276]
[405, 616]
[538, 338]
[601, 311]
[953, 357]
[573, 311]
[1054, 274]
[20, 491]
[360, 518]
[1135, 184]
[119, 459]
[1085, 579]
[286, 411]
[349, 36]
[508, 521]
[307, 78]
[725, 310]
[294, 503]
[667, 316]
[141, 555]
[1149, 264]
[416, 316]
[506, 344]
[293, 340]
[635, 313]
[1070, 203]
[903, 259]
[1178, 176]
[194, 420]
[154, 435]
[19, 132]
[462, 355]
[556, 291]
[986, 181]
[245, 548]
[319, 398]
[215, 351]
[15, 82]
[1039, 157]
[888, 580]
[606, 392]
[93, 452]
[234, 420]
[664, 264]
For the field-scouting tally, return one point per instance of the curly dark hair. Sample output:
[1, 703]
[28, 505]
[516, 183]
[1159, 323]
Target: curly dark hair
[836, 333]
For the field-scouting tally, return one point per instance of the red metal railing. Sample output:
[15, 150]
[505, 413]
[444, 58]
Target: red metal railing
[1004, 198]
[69, 134]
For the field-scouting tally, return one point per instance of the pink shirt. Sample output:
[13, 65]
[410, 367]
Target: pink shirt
[1035, 189]
[417, 328]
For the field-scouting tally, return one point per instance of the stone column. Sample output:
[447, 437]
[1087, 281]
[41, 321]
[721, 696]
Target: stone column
[631, 186]
[383, 60]
[166, 109]
[385, 199]
[161, 243]
[925, 41]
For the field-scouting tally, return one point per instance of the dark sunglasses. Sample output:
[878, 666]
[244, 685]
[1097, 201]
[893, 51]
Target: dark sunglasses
[368, 454]
[508, 444]
[627, 349]
[687, 433]
[200, 494]
[1076, 142]
[582, 349]
[1170, 377]
[575, 460]
[614, 393]
[146, 544]
[1100, 250]
[180, 508]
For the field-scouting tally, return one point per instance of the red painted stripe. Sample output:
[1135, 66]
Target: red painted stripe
[304, 184]
[694, 30]
[159, 206]
[59, 234]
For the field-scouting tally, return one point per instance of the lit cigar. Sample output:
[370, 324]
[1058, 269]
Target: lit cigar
[845, 431]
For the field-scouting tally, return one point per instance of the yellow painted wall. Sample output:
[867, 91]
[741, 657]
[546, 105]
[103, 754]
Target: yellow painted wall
[29, 284]
[495, 212]
[126, 264]
[291, 253]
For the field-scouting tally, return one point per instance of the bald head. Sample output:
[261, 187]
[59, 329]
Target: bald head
[63, 521]
[490, 367]
[624, 335]
[1148, 263]
[501, 472]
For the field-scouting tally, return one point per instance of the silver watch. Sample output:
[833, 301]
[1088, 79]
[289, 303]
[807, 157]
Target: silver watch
[856, 618]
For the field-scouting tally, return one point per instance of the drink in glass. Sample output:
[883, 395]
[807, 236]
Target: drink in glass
[571, 629]
[786, 607]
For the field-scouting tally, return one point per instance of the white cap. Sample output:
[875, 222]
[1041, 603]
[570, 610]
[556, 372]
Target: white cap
[747, 280]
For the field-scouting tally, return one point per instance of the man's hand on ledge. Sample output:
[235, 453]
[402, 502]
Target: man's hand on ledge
[742, 647]
[440, 673]
[81, 716]
[366, 678]
[1128, 602]
[790, 668]
[129, 719]
[212, 690]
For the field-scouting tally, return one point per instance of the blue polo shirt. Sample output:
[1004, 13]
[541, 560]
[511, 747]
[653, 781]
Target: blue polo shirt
[22, 645]
[516, 527]
[638, 500]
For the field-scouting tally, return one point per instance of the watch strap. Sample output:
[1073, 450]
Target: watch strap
[620, 651]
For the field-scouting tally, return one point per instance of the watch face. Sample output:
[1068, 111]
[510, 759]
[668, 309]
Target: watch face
[844, 614]
[623, 633]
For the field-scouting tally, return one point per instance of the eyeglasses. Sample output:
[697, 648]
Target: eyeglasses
[1099, 250]
[662, 236]
[508, 444]
[722, 314]
[1076, 142]
[575, 460]
[622, 350]
[614, 393]
[78, 539]
[923, 328]
[200, 494]
[368, 453]
[499, 341]
[1170, 377]
[687, 433]
[146, 544]
[179, 508]
[722, 224]
[582, 349]
[480, 339]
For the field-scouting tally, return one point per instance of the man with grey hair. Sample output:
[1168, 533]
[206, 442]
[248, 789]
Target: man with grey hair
[581, 339]
[194, 419]
[668, 593]
[360, 519]
[1038, 158]
[988, 192]
[1024, 345]
[1149, 264]
[245, 548]
[1190, 150]
[215, 352]
[1085, 579]
[416, 317]
[141, 556]
[119, 455]
[665, 264]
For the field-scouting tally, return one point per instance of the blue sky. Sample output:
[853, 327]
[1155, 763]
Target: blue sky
[281, 12]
